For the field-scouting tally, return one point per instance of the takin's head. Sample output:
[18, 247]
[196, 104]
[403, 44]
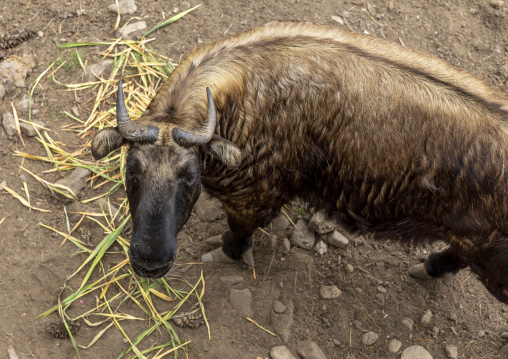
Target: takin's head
[163, 180]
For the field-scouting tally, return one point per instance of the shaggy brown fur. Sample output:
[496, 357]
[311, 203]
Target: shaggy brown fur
[391, 140]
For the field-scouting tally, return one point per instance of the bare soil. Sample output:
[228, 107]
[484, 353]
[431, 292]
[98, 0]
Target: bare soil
[472, 35]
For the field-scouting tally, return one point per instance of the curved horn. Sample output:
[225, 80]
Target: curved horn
[204, 134]
[129, 129]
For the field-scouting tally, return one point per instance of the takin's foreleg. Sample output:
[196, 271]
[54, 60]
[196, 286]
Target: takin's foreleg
[438, 264]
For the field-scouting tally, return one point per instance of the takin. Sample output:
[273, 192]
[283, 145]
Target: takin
[388, 140]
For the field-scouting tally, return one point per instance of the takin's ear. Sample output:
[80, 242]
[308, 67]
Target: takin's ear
[105, 141]
[225, 151]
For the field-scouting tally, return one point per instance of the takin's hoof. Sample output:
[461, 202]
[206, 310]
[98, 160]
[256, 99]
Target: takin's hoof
[218, 256]
[215, 241]
[419, 271]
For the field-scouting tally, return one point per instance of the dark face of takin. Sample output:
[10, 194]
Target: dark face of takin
[163, 183]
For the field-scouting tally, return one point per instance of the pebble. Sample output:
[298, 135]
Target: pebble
[394, 346]
[504, 70]
[283, 323]
[280, 223]
[504, 335]
[329, 292]
[15, 69]
[133, 30]
[9, 124]
[125, 6]
[481, 333]
[28, 129]
[337, 239]
[496, 4]
[231, 279]
[349, 268]
[408, 322]
[98, 68]
[369, 338]
[415, 352]
[76, 181]
[2, 92]
[208, 208]
[321, 223]
[380, 299]
[427, 316]
[504, 350]
[75, 111]
[278, 307]
[381, 289]
[302, 236]
[24, 103]
[452, 351]
[286, 245]
[310, 350]
[241, 300]
[281, 352]
[453, 317]
[321, 248]
[338, 19]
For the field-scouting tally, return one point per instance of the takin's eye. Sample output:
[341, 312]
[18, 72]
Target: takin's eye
[132, 166]
[188, 177]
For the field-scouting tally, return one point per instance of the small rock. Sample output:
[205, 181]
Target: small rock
[338, 19]
[75, 111]
[337, 239]
[481, 333]
[452, 351]
[357, 324]
[504, 335]
[125, 7]
[349, 268]
[76, 181]
[380, 299]
[408, 322]
[273, 241]
[283, 323]
[9, 123]
[186, 5]
[329, 292]
[359, 291]
[310, 350]
[453, 317]
[504, 70]
[504, 350]
[427, 316]
[280, 223]
[281, 352]
[394, 346]
[496, 4]
[278, 307]
[415, 352]
[24, 103]
[286, 245]
[381, 289]
[231, 279]
[98, 69]
[133, 31]
[241, 300]
[369, 338]
[2, 92]
[29, 129]
[208, 208]
[15, 69]
[358, 241]
[320, 248]
[321, 223]
[302, 236]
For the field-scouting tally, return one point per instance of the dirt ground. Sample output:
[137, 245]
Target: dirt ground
[472, 35]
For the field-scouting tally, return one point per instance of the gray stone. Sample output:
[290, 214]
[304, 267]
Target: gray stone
[349, 268]
[302, 236]
[415, 352]
[75, 111]
[496, 4]
[208, 208]
[394, 346]
[381, 289]
[133, 31]
[286, 245]
[427, 316]
[24, 103]
[504, 335]
[15, 69]
[2, 92]
[337, 239]
[125, 7]
[278, 307]
[369, 338]
[329, 292]
[281, 352]
[28, 129]
[380, 299]
[321, 248]
[481, 333]
[9, 123]
[504, 350]
[310, 350]
[241, 301]
[408, 323]
[504, 70]
[231, 279]
[452, 351]
[76, 181]
[280, 223]
[321, 223]
[99, 68]
[283, 323]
